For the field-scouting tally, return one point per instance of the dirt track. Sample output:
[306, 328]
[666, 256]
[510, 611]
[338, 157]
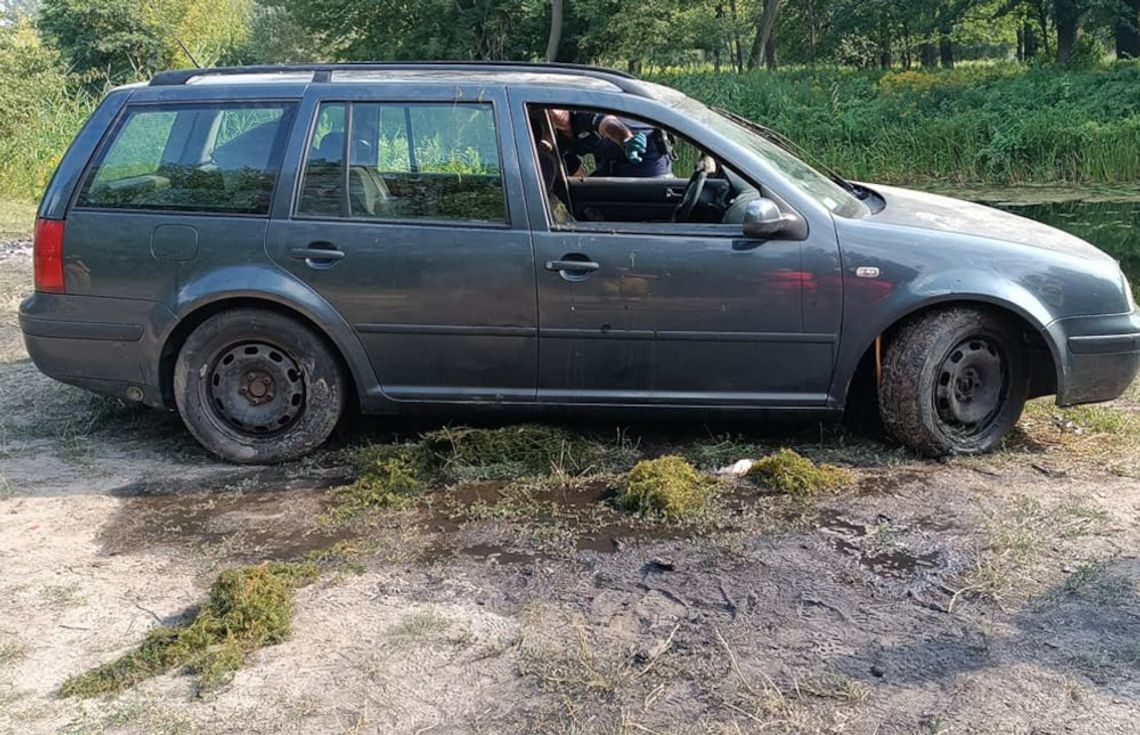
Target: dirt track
[989, 595]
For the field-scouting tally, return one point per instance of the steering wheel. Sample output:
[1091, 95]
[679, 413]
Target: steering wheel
[694, 189]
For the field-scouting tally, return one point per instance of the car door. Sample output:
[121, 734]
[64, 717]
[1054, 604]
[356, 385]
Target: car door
[671, 314]
[407, 216]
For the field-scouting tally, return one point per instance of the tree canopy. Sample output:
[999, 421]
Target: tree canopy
[121, 37]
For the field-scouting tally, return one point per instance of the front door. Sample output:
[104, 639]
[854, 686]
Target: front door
[679, 314]
[408, 220]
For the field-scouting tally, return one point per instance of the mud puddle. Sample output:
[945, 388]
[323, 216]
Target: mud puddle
[512, 525]
[881, 547]
[247, 515]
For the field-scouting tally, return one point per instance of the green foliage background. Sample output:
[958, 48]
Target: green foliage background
[862, 83]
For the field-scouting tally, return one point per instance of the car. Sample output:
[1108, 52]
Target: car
[263, 248]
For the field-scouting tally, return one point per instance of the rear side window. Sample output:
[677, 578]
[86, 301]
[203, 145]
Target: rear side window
[217, 157]
[432, 161]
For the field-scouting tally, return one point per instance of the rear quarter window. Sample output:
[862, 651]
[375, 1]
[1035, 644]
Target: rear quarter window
[221, 158]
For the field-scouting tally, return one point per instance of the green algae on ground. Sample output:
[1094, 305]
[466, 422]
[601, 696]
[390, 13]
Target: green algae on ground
[387, 476]
[248, 608]
[393, 475]
[514, 451]
[786, 471]
[667, 487]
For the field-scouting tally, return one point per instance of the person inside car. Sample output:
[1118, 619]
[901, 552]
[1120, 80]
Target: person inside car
[620, 147]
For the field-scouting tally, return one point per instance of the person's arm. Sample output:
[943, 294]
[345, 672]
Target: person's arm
[633, 144]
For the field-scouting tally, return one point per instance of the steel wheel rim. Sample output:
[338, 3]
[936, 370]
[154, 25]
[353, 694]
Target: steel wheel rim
[256, 389]
[971, 387]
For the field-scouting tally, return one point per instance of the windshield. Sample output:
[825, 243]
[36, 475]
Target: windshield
[812, 182]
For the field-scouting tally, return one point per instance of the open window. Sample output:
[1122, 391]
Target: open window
[587, 178]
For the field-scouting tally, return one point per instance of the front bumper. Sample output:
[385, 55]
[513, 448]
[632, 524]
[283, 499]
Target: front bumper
[1099, 356]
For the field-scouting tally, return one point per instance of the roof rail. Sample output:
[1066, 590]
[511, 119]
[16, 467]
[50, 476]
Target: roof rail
[322, 72]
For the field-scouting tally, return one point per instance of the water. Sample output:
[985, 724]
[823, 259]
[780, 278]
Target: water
[1113, 226]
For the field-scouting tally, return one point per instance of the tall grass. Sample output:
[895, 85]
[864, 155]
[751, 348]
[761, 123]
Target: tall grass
[41, 110]
[995, 123]
[985, 124]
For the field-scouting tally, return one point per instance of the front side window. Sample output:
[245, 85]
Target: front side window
[432, 161]
[600, 166]
[216, 157]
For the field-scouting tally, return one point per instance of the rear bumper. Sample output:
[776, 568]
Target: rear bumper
[98, 344]
[1100, 356]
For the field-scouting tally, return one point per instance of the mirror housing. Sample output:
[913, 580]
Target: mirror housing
[763, 219]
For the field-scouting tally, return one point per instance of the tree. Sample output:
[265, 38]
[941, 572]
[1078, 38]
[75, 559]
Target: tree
[113, 37]
[555, 38]
[357, 30]
[762, 44]
[1127, 30]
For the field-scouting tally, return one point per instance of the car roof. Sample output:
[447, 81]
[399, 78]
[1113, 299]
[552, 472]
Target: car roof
[422, 72]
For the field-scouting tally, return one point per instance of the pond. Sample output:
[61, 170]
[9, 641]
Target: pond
[1111, 225]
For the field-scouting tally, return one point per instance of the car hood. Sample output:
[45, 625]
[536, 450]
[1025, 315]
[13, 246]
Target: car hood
[906, 208]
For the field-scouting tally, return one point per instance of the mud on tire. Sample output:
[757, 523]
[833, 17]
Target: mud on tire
[954, 381]
[257, 387]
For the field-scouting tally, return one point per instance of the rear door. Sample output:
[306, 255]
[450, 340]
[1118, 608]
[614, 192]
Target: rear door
[407, 216]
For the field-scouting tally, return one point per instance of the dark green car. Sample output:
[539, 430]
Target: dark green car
[261, 247]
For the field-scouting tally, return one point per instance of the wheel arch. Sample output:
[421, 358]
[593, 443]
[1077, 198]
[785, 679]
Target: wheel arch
[191, 317]
[1037, 340]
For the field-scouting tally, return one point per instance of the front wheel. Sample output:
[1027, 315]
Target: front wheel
[257, 387]
[953, 382]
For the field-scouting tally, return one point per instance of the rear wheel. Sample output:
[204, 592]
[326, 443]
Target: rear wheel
[954, 382]
[256, 387]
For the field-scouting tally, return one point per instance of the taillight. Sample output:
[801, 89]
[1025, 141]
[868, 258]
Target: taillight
[48, 249]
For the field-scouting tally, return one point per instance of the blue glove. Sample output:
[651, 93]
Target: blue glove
[635, 147]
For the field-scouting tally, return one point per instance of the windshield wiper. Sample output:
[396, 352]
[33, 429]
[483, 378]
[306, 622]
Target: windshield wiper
[791, 147]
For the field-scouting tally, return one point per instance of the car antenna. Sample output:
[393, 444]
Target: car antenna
[178, 41]
[187, 52]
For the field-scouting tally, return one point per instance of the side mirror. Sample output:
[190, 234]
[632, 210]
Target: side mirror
[762, 219]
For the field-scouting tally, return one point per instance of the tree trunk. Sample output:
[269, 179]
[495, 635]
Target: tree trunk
[555, 39]
[946, 46]
[771, 59]
[719, 44]
[764, 26]
[1030, 39]
[811, 32]
[1068, 18]
[738, 44]
[1128, 31]
[929, 55]
[1066, 39]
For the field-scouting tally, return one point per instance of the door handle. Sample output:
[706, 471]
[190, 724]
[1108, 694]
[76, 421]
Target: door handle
[324, 253]
[674, 193]
[572, 266]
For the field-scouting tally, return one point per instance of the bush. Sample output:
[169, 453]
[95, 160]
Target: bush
[40, 112]
[667, 487]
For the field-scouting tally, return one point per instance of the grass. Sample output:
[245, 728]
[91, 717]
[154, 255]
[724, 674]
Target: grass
[1017, 537]
[395, 475]
[1000, 123]
[248, 608]
[17, 219]
[788, 472]
[418, 626]
[12, 652]
[1094, 580]
[666, 487]
[1100, 435]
